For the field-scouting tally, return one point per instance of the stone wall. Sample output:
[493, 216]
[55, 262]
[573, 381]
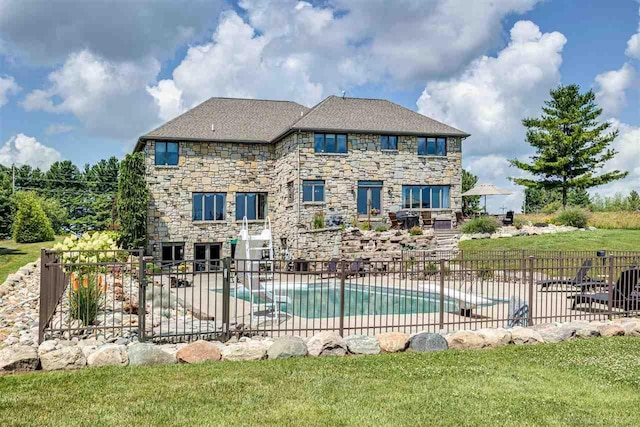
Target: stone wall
[235, 167]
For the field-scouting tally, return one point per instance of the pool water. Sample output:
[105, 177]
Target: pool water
[315, 301]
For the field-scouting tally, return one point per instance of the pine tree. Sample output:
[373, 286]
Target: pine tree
[571, 145]
[469, 204]
[133, 202]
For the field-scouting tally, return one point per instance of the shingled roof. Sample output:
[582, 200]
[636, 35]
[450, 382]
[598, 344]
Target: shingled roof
[264, 121]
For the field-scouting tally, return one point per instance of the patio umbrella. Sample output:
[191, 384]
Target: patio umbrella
[485, 190]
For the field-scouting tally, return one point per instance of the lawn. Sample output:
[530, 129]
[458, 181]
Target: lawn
[14, 255]
[586, 382]
[579, 240]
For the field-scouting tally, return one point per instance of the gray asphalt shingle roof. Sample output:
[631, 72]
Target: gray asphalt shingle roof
[233, 120]
[254, 120]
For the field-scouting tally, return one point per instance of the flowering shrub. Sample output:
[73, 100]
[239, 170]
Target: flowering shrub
[86, 260]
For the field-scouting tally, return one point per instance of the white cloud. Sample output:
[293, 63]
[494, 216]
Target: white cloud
[108, 97]
[26, 150]
[57, 128]
[633, 45]
[491, 96]
[627, 144]
[8, 86]
[611, 87]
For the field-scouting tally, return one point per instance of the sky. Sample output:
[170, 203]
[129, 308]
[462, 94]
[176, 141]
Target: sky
[82, 80]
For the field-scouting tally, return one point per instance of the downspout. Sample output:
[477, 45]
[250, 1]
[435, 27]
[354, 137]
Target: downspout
[297, 227]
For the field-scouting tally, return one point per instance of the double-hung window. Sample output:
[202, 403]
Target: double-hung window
[369, 197]
[251, 205]
[166, 153]
[330, 143]
[388, 142]
[425, 197]
[172, 252]
[432, 146]
[208, 206]
[313, 191]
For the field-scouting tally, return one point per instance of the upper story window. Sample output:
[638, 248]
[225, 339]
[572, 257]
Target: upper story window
[369, 197]
[425, 197]
[330, 143]
[251, 205]
[432, 146]
[208, 206]
[388, 142]
[313, 191]
[166, 153]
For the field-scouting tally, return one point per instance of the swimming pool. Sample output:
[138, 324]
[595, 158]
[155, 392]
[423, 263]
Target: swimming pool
[322, 300]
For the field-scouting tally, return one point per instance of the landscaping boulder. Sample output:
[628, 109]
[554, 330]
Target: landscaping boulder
[391, 342]
[199, 351]
[247, 350]
[47, 346]
[493, 338]
[285, 347]
[326, 343]
[525, 336]
[70, 357]
[609, 330]
[148, 354]
[426, 341]
[110, 354]
[464, 340]
[552, 334]
[18, 358]
[631, 326]
[362, 344]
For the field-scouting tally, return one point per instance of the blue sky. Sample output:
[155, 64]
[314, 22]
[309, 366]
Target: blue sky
[82, 80]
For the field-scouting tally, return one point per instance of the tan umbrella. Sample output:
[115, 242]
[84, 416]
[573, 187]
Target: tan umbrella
[485, 190]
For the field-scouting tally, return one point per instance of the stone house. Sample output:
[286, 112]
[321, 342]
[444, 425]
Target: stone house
[347, 157]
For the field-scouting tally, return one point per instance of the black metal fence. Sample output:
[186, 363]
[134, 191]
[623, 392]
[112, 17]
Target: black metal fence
[421, 291]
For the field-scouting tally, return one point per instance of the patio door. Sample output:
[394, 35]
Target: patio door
[207, 256]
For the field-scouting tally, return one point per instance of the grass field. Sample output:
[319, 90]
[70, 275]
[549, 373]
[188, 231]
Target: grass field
[607, 220]
[578, 240]
[14, 255]
[586, 382]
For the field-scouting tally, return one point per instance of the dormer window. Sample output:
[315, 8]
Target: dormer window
[388, 142]
[432, 146]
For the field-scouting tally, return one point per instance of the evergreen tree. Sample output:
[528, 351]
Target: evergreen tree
[31, 224]
[133, 202]
[571, 145]
[7, 205]
[469, 204]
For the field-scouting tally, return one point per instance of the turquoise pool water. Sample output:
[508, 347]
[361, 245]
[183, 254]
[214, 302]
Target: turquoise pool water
[323, 300]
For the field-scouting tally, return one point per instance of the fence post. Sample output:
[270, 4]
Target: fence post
[531, 280]
[342, 280]
[610, 287]
[142, 297]
[226, 297]
[441, 311]
[561, 266]
[45, 289]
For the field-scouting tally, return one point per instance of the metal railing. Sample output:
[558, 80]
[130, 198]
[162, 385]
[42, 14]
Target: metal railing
[186, 300]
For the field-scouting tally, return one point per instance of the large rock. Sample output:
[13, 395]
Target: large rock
[464, 340]
[426, 341]
[199, 351]
[18, 358]
[631, 326]
[362, 344]
[326, 343]
[141, 354]
[495, 337]
[609, 330]
[391, 342]
[526, 336]
[70, 357]
[247, 350]
[553, 334]
[110, 354]
[285, 347]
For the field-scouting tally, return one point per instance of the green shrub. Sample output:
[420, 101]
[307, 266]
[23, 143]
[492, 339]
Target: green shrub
[415, 231]
[318, 222]
[483, 224]
[85, 296]
[133, 201]
[365, 226]
[518, 223]
[381, 228]
[552, 207]
[55, 212]
[573, 217]
[31, 223]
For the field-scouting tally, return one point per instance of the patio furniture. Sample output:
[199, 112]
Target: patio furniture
[356, 268]
[508, 219]
[427, 219]
[582, 279]
[408, 219]
[625, 293]
[393, 219]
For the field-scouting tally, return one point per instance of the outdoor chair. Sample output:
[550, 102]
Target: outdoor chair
[356, 268]
[582, 279]
[393, 219]
[332, 269]
[508, 219]
[427, 219]
[625, 293]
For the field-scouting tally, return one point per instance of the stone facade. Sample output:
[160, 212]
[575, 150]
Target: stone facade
[279, 170]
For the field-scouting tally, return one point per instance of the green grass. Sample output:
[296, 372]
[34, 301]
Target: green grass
[622, 240]
[14, 255]
[586, 382]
